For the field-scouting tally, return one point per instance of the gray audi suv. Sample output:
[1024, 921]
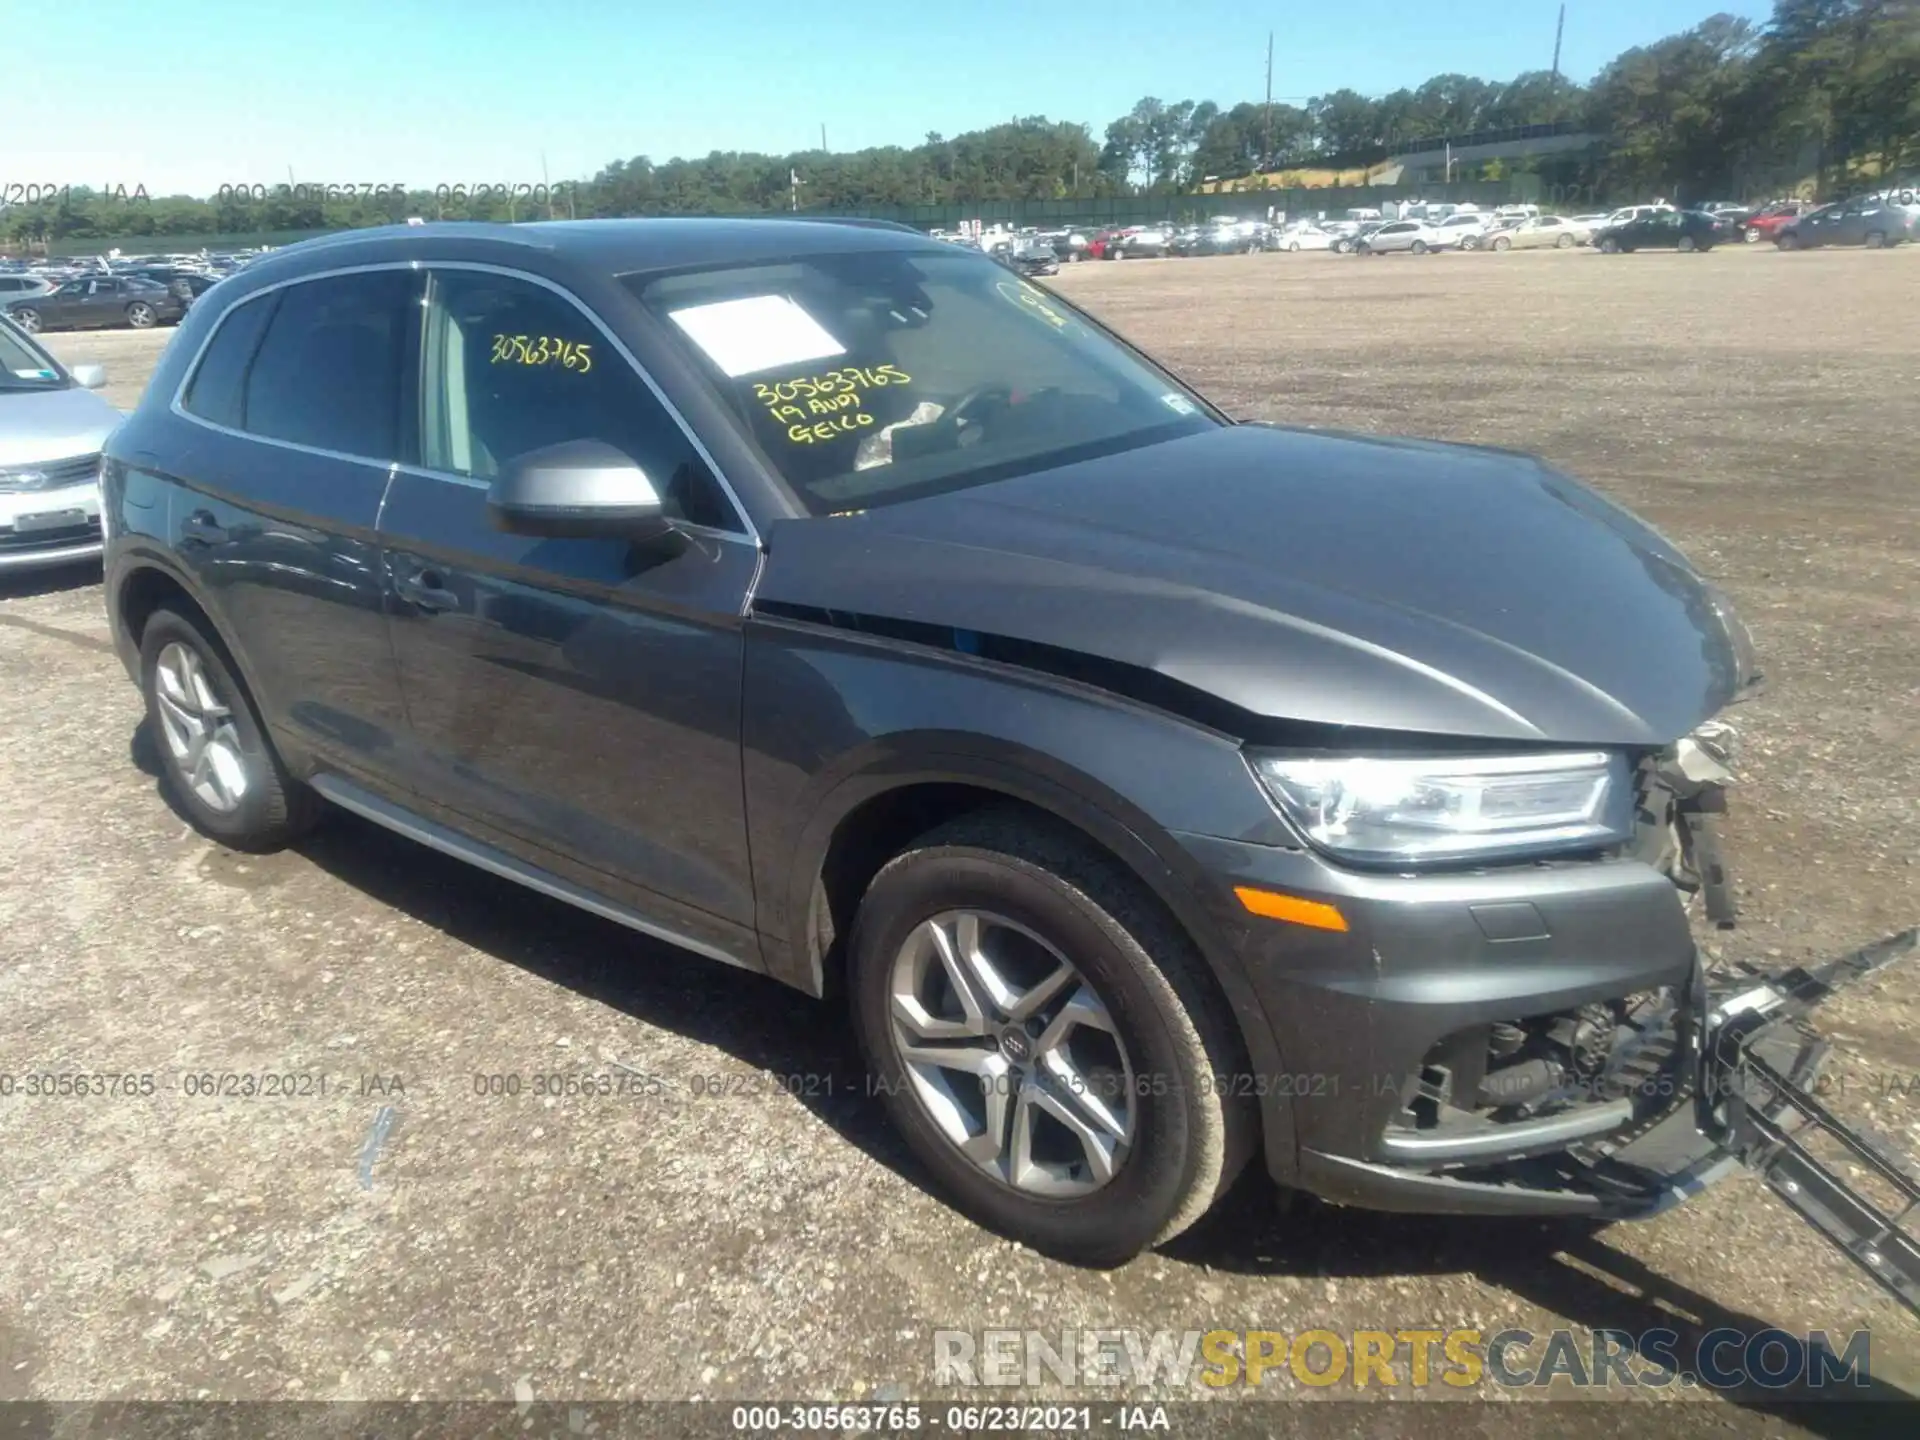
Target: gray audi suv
[1157, 792]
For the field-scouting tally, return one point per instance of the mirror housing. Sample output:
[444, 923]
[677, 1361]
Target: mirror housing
[89, 377]
[578, 488]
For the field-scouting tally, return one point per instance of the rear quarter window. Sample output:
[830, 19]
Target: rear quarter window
[217, 391]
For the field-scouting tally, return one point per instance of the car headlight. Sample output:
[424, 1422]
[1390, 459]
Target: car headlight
[1414, 810]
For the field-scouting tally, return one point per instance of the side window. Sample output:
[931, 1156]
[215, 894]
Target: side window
[327, 372]
[217, 391]
[510, 367]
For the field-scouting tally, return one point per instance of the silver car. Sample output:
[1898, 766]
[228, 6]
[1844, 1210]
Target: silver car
[52, 427]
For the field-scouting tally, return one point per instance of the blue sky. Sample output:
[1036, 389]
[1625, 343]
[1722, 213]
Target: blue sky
[426, 92]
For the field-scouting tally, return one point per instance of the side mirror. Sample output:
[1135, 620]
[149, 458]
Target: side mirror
[89, 377]
[576, 488]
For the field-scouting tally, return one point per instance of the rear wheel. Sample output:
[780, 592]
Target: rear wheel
[1786, 241]
[1688, 245]
[1609, 246]
[1565, 242]
[27, 318]
[1750, 237]
[140, 315]
[1501, 242]
[1046, 1039]
[1876, 239]
[1419, 247]
[1294, 248]
[218, 761]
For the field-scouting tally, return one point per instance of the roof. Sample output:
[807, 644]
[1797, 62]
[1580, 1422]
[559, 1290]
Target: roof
[625, 246]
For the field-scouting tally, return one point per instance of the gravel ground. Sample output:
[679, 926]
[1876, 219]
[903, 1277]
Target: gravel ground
[402, 1236]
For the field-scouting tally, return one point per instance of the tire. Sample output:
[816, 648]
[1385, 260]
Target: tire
[1339, 247]
[27, 318]
[1750, 237]
[1501, 242]
[265, 808]
[1876, 240]
[1565, 242]
[1688, 245]
[1609, 246]
[1419, 247]
[1038, 889]
[140, 315]
[1294, 248]
[1784, 241]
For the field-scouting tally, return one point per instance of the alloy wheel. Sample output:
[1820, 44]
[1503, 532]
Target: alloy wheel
[27, 320]
[1012, 1054]
[198, 728]
[140, 315]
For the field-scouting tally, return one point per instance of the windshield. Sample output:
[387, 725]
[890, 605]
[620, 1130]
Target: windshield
[24, 366]
[876, 377]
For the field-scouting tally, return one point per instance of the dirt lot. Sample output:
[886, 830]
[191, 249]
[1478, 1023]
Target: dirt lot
[1763, 409]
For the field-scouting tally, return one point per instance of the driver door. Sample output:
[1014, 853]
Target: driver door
[575, 701]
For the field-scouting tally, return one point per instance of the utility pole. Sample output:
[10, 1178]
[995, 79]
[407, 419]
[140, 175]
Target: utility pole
[1266, 143]
[1558, 30]
[823, 136]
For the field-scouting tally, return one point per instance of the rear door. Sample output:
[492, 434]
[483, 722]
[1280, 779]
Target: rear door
[300, 392]
[581, 696]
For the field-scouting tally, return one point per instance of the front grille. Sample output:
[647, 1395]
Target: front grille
[48, 474]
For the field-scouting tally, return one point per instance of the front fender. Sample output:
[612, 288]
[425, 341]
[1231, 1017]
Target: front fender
[836, 719]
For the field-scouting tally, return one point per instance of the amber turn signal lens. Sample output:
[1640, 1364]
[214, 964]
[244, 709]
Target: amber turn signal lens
[1290, 907]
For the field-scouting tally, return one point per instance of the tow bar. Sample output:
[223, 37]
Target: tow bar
[1757, 1100]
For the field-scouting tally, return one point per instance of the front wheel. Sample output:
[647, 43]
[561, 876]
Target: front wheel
[1419, 247]
[1501, 242]
[1294, 248]
[1786, 242]
[1565, 242]
[1750, 237]
[218, 761]
[1609, 246]
[27, 318]
[140, 315]
[1047, 1039]
[1876, 240]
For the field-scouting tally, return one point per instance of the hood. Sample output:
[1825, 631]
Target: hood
[1307, 576]
[41, 425]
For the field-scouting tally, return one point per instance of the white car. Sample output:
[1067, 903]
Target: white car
[52, 428]
[1466, 229]
[1304, 237]
[1541, 232]
[1414, 236]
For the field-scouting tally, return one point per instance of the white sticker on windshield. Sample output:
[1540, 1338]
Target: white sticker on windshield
[744, 337]
[1179, 404]
[35, 374]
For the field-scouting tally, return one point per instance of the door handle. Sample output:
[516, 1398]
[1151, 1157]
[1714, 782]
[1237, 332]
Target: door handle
[203, 527]
[426, 589]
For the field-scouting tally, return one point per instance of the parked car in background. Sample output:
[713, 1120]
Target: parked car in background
[1541, 232]
[100, 302]
[1591, 223]
[52, 429]
[1767, 222]
[1464, 230]
[186, 285]
[1029, 255]
[1686, 230]
[1414, 237]
[1869, 220]
[1350, 241]
[1304, 235]
[1101, 243]
[18, 287]
[1146, 242]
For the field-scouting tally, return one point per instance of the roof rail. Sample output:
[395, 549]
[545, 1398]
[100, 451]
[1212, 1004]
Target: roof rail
[862, 221]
